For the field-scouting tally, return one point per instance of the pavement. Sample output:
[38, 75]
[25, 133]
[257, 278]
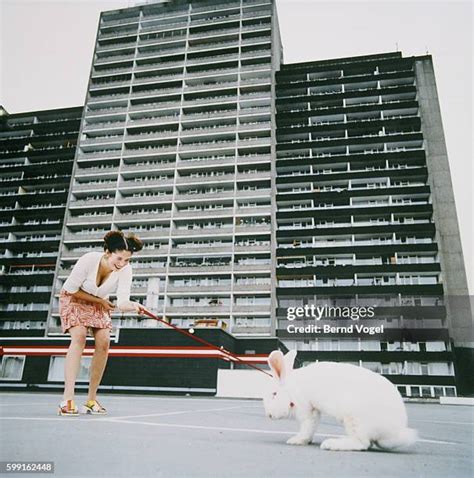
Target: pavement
[174, 437]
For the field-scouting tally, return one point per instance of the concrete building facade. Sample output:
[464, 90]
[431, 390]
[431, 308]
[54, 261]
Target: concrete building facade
[176, 145]
[256, 187]
[36, 157]
[366, 215]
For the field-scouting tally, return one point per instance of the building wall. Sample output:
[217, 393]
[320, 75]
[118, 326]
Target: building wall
[36, 158]
[176, 146]
[355, 222]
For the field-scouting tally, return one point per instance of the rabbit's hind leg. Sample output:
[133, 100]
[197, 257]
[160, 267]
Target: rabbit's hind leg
[344, 444]
[357, 439]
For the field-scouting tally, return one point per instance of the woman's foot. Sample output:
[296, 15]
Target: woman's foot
[93, 407]
[67, 408]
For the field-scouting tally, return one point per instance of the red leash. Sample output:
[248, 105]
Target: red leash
[220, 349]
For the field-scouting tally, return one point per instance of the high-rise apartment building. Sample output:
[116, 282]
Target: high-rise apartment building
[256, 186]
[361, 218]
[176, 145]
[36, 157]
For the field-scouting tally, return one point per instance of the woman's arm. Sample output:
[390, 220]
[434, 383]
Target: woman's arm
[83, 295]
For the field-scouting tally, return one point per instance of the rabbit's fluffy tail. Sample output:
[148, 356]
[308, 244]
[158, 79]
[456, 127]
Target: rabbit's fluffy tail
[401, 439]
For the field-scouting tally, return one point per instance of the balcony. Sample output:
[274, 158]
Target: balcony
[192, 163]
[106, 154]
[115, 46]
[156, 106]
[206, 131]
[108, 84]
[254, 229]
[205, 180]
[252, 267]
[210, 232]
[159, 233]
[88, 236]
[92, 219]
[227, 211]
[253, 176]
[102, 140]
[140, 183]
[165, 199]
[252, 288]
[183, 197]
[111, 71]
[199, 269]
[251, 309]
[213, 59]
[253, 248]
[156, 120]
[114, 59]
[203, 249]
[214, 45]
[109, 125]
[206, 101]
[107, 98]
[209, 145]
[211, 114]
[254, 158]
[137, 152]
[198, 288]
[215, 20]
[264, 192]
[93, 172]
[169, 26]
[95, 186]
[84, 203]
[134, 138]
[139, 217]
[221, 31]
[196, 309]
[149, 168]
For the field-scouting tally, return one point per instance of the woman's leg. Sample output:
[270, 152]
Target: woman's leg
[99, 360]
[73, 359]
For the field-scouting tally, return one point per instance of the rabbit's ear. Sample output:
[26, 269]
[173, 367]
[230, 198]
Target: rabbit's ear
[277, 364]
[290, 359]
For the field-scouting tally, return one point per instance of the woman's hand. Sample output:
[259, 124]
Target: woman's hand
[107, 305]
[140, 309]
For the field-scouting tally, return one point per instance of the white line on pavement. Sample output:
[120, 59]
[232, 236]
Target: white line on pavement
[196, 427]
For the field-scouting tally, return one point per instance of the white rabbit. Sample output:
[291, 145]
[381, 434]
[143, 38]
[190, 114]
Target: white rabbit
[368, 405]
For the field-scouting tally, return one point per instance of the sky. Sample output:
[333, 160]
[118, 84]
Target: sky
[46, 52]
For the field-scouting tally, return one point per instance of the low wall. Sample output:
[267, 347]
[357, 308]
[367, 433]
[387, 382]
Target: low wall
[457, 401]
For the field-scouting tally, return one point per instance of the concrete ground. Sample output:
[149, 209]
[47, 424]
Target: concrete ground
[173, 437]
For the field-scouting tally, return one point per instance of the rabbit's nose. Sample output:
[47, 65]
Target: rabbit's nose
[269, 415]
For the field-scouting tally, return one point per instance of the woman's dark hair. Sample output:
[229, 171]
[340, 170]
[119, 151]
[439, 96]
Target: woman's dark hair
[117, 241]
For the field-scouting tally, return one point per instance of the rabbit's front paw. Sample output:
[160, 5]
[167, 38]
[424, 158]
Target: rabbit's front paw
[298, 440]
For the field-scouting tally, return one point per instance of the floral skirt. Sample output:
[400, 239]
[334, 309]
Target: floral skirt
[75, 312]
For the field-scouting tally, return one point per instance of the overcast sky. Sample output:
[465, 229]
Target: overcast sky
[46, 53]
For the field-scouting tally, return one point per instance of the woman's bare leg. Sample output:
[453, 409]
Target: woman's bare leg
[99, 360]
[73, 359]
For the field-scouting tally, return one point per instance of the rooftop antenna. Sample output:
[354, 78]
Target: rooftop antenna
[396, 45]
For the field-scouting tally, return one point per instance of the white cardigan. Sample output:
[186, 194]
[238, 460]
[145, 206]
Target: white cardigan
[84, 276]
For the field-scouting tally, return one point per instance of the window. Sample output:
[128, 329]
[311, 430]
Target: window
[415, 391]
[56, 369]
[12, 367]
[450, 391]
[402, 390]
[426, 392]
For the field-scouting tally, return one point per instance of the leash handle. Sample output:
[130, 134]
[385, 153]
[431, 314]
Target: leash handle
[198, 339]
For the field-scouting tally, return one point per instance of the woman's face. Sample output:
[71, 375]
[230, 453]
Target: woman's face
[118, 259]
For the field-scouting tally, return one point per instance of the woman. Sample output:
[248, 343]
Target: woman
[84, 307]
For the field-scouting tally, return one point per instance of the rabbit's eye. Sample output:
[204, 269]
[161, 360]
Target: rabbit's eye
[274, 394]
